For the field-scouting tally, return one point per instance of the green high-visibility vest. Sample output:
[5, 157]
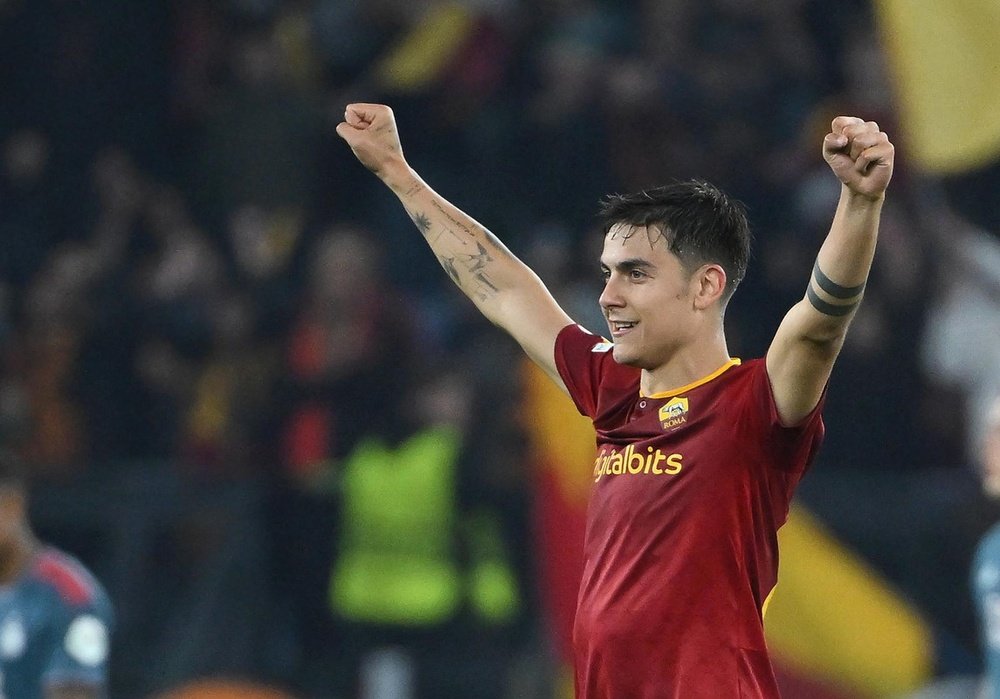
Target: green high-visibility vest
[397, 562]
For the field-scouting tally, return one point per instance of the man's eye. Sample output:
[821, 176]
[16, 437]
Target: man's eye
[605, 274]
[636, 274]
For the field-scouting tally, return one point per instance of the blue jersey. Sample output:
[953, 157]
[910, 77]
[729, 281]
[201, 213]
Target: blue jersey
[986, 588]
[55, 624]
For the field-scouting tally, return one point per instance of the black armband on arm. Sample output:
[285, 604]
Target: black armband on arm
[836, 291]
[833, 288]
[828, 309]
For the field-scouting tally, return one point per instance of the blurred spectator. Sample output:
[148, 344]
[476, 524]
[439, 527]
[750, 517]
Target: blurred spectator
[57, 316]
[563, 117]
[137, 361]
[423, 562]
[222, 434]
[266, 249]
[55, 618]
[350, 345]
[986, 566]
[259, 140]
[569, 272]
[348, 352]
[28, 223]
[958, 349]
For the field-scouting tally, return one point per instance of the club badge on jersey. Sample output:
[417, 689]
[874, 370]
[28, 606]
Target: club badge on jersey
[673, 413]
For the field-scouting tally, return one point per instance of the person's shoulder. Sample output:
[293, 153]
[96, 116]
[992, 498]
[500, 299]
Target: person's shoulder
[576, 346]
[749, 365]
[989, 543]
[67, 578]
[582, 338]
[986, 563]
[743, 383]
[741, 371]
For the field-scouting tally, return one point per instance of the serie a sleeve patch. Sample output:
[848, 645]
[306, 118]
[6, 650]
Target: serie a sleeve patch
[87, 640]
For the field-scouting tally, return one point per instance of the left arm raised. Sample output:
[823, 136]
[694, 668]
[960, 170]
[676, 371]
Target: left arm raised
[802, 353]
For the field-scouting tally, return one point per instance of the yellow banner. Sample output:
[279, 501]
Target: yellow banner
[563, 437]
[832, 617]
[945, 59]
[421, 56]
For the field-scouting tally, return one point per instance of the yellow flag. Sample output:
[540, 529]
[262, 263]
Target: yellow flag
[945, 59]
[421, 55]
[832, 617]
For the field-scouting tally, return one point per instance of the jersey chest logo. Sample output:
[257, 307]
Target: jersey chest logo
[634, 462]
[673, 413]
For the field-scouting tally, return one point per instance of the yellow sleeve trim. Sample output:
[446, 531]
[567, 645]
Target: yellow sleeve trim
[735, 361]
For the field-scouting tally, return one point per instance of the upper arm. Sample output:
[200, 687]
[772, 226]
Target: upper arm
[532, 317]
[800, 360]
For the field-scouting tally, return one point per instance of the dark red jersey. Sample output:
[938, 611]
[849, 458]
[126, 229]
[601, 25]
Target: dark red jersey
[681, 552]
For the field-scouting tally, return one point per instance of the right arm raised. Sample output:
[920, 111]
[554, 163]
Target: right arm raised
[503, 288]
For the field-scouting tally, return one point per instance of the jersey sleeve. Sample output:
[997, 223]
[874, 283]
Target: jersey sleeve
[986, 591]
[581, 359]
[788, 448]
[81, 646]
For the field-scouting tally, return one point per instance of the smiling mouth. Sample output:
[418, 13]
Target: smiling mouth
[621, 327]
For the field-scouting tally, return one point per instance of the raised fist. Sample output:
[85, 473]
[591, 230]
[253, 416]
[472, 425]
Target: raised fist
[860, 155]
[370, 131]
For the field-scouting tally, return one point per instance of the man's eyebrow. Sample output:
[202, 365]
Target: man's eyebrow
[630, 264]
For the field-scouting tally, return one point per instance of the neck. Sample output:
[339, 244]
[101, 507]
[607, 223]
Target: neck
[688, 365]
[17, 557]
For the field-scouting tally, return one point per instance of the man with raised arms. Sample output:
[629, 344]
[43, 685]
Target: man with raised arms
[698, 452]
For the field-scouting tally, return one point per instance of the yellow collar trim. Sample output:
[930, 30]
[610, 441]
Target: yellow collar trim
[735, 361]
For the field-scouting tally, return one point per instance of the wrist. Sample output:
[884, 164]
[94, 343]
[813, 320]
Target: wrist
[395, 174]
[860, 200]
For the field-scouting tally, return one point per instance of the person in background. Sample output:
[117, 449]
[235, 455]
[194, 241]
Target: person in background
[55, 618]
[986, 564]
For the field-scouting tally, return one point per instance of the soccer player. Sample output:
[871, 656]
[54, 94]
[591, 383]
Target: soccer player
[698, 452]
[54, 617]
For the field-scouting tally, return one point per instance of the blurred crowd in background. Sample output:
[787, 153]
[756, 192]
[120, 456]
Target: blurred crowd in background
[212, 318]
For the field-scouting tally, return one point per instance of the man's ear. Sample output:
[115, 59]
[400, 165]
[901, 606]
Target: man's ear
[710, 286]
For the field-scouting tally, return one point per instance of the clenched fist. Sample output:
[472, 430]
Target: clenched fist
[860, 155]
[370, 131]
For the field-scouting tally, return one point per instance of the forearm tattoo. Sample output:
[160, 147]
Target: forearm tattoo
[475, 265]
[480, 259]
[466, 269]
[837, 291]
[422, 222]
[415, 188]
[485, 289]
[454, 221]
[449, 266]
[491, 239]
[426, 226]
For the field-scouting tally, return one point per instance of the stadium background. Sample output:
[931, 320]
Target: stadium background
[209, 314]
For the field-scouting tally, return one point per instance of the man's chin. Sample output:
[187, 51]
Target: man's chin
[623, 356]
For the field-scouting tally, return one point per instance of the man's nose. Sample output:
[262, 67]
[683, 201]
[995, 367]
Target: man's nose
[611, 296]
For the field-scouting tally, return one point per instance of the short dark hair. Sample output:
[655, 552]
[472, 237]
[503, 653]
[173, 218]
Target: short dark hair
[699, 222]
